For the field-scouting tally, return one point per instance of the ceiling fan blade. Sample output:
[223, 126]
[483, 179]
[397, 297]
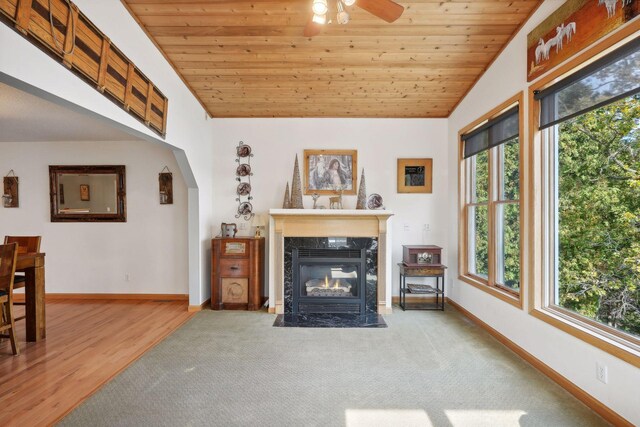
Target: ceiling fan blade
[383, 9]
[312, 29]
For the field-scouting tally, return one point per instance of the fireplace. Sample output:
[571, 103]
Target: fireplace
[331, 275]
[328, 280]
[312, 228]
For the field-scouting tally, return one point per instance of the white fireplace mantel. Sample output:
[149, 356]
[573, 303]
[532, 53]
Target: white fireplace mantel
[328, 223]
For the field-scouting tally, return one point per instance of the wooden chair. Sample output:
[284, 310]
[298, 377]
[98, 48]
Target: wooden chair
[8, 259]
[26, 245]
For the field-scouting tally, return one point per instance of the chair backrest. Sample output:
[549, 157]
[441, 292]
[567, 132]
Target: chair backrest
[8, 258]
[26, 244]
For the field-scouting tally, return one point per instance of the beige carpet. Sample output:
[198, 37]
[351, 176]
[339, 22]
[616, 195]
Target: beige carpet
[426, 369]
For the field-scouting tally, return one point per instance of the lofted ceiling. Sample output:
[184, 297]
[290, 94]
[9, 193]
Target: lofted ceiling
[249, 58]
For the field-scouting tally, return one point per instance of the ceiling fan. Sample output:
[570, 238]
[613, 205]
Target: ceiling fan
[384, 9]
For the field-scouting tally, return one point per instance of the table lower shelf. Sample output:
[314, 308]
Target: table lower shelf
[422, 290]
[436, 295]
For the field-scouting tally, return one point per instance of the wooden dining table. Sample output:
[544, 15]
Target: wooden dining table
[32, 264]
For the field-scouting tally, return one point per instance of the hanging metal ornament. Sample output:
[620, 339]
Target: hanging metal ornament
[243, 177]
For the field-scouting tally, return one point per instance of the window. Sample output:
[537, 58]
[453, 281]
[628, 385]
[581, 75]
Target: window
[490, 201]
[589, 127]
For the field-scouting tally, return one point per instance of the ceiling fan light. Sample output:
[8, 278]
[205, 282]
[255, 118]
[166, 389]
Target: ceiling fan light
[343, 17]
[320, 7]
[320, 19]
[349, 2]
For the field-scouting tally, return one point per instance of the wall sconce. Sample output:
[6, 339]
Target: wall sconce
[165, 180]
[10, 193]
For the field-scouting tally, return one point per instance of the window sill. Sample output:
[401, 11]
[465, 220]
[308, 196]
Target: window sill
[506, 296]
[582, 331]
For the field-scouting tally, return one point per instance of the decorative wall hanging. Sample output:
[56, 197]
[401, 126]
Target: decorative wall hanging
[325, 170]
[362, 193]
[243, 177]
[415, 175]
[296, 188]
[59, 27]
[286, 203]
[575, 25]
[10, 193]
[165, 181]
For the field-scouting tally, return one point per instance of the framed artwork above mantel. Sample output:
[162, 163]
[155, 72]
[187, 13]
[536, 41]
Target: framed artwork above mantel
[328, 172]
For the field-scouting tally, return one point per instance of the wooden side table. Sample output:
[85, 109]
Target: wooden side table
[436, 271]
[237, 271]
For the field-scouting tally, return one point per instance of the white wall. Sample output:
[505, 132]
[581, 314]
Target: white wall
[380, 142]
[187, 129]
[572, 358]
[151, 247]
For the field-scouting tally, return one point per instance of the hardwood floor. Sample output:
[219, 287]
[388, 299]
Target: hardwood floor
[88, 342]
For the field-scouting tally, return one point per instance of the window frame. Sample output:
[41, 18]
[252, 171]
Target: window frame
[539, 236]
[465, 201]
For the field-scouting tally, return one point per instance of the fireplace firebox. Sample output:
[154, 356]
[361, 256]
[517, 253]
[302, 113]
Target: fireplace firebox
[329, 280]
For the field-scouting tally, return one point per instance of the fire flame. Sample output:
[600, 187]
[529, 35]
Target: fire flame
[326, 282]
[337, 285]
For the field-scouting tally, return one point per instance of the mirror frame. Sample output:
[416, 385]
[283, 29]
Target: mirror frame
[119, 216]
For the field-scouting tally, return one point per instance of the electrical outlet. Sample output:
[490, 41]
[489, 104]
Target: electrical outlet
[601, 373]
[242, 226]
[426, 227]
[407, 227]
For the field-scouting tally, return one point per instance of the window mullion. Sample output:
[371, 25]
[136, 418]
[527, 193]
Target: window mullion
[491, 212]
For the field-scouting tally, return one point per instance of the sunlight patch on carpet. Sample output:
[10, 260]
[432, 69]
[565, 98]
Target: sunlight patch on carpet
[481, 417]
[387, 417]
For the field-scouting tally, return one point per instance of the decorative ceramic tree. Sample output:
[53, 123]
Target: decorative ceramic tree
[362, 194]
[286, 204]
[296, 188]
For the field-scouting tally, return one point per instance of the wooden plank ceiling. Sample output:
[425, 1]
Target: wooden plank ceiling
[248, 58]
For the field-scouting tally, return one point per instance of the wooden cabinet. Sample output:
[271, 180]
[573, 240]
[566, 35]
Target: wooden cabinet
[237, 271]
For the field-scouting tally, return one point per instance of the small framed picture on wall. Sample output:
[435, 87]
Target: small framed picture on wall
[415, 175]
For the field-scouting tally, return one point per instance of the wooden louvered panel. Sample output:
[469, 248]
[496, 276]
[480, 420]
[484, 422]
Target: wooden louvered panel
[116, 80]
[138, 99]
[8, 8]
[83, 48]
[88, 49]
